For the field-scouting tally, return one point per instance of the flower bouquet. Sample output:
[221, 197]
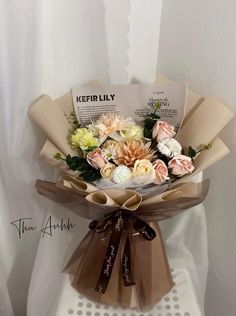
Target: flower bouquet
[126, 176]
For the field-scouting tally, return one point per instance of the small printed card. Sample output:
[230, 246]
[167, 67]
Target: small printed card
[133, 100]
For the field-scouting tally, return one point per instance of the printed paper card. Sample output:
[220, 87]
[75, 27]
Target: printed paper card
[133, 100]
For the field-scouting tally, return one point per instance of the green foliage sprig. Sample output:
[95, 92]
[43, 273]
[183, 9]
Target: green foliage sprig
[74, 121]
[75, 163]
[150, 121]
[192, 153]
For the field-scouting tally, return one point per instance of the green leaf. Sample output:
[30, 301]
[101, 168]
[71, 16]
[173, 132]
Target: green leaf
[74, 121]
[80, 164]
[68, 159]
[57, 156]
[83, 166]
[91, 175]
[154, 116]
[147, 133]
[157, 104]
[75, 162]
[149, 123]
[191, 152]
[208, 146]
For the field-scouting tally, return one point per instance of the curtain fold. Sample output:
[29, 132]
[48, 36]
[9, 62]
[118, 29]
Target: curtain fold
[47, 46]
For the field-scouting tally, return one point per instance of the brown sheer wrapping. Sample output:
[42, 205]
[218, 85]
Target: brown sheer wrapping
[138, 244]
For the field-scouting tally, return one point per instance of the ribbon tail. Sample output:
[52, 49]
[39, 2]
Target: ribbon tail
[126, 265]
[110, 257]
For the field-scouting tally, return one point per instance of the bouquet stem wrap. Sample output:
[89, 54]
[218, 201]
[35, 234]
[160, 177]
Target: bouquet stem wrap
[122, 260]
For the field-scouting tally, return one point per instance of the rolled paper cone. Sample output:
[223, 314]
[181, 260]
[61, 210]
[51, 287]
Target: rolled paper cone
[72, 201]
[77, 185]
[192, 102]
[115, 198]
[204, 124]
[47, 114]
[184, 190]
[101, 198]
[47, 154]
[186, 195]
[128, 199]
[62, 195]
[207, 158]
[193, 99]
[132, 203]
[66, 104]
[172, 195]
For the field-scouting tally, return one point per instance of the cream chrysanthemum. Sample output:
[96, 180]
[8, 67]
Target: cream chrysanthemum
[169, 147]
[131, 150]
[84, 139]
[109, 123]
[109, 149]
[121, 174]
[133, 131]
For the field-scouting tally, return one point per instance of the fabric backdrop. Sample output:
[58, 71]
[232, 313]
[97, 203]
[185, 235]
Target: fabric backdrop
[46, 47]
[199, 45]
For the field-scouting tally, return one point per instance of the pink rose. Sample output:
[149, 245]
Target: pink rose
[96, 159]
[161, 171]
[181, 165]
[162, 130]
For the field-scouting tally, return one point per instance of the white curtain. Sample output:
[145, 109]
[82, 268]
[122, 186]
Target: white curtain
[47, 46]
[199, 46]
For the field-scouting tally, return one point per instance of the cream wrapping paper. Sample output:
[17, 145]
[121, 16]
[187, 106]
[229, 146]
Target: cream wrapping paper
[52, 121]
[204, 120]
[47, 154]
[204, 124]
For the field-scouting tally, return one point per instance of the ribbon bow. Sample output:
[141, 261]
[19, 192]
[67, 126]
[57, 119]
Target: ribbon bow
[118, 223]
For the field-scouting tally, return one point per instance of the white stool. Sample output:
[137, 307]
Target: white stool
[181, 301]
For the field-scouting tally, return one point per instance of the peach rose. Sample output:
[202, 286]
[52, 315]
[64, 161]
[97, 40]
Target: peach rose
[181, 165]
[96, 159]
[161, 171]
[162, 130]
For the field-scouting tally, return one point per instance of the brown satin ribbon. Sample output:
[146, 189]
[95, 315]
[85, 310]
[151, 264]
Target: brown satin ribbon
[116, 223]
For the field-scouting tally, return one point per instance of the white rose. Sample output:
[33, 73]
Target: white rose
[169, 147]
[143, 167]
